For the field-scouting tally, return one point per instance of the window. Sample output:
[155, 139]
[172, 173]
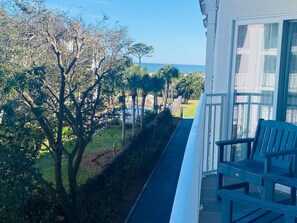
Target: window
[270, 36]
[269, 64]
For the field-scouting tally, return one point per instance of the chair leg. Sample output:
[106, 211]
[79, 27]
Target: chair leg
[293, 195]
[219, 185]
[247, 188]
[269, 188]
[227, 210]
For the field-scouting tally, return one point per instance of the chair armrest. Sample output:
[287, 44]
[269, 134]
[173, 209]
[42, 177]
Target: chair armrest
[223, 143]
[234, 141]
[269, 155]
[280, 153]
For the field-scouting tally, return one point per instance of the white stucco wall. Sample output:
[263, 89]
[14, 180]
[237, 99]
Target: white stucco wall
[239, 10]
[223, 16]
[210, 9]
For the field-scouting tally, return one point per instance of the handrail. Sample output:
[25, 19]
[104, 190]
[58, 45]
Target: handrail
[187, 197]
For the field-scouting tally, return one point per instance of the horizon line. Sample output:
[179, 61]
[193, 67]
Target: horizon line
[170, 63]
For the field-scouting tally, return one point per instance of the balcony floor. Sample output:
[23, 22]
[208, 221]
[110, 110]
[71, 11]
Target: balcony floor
[211, 207]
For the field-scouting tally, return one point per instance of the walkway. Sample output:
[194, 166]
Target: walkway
[155, 203]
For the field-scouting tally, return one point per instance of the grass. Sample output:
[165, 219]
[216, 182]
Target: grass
[189, 109]
[101, 141]
[104, 140]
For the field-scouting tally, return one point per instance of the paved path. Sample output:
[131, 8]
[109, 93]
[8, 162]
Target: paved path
[155, 202]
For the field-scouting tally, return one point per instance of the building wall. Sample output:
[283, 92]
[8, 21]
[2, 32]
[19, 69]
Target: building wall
[237, 10]
[222, 18]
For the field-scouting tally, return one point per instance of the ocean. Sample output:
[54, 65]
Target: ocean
[184, 68]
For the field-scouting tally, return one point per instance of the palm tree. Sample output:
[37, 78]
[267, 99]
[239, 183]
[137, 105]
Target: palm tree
[146, 87]
[121, 82]
[158, 84]
[133, 83]
[168, 73]
[191, 85]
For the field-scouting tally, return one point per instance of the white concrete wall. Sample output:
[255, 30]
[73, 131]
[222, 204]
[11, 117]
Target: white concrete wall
[222, 21]
[238, 10]
[210, 10]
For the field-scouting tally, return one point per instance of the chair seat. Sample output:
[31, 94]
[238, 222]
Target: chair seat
[248, 170]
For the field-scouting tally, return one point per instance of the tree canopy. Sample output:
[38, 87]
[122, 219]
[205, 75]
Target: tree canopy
[190, 86]
[168, 73]
[53, 71]
[140, 50]
[60, 79]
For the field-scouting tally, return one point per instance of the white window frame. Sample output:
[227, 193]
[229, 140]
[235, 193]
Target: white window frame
[238, 22]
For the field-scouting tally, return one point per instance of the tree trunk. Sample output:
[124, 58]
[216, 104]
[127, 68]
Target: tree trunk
[166, 94]
[123, 117]
[59, 146]
[68, 205]
[172, 93]
[155, 103]
[73, 188]
[68, 211]
[133, 114]
[113, 108]
[142, 109]
[137, 107]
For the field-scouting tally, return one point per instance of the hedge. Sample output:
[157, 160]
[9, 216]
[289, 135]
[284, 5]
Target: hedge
[100, 195]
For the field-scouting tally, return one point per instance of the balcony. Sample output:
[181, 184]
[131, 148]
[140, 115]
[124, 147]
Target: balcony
[200, 160]
[196, 198]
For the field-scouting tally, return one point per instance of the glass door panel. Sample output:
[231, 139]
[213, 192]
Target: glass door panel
[255, 76]
[291, 75]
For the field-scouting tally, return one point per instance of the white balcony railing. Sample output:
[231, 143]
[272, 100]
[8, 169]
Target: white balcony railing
[214, 119]
[199, 158]
[187, 197]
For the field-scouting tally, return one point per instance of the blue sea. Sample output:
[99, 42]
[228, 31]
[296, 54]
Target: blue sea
[184, 68]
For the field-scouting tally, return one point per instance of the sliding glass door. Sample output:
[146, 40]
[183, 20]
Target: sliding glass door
[288, 97]
[254, 77]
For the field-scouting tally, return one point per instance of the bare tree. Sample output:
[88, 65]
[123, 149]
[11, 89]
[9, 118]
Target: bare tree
[58, 83]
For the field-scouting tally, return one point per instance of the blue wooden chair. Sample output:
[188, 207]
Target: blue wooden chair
[256, 211]
[272, 150]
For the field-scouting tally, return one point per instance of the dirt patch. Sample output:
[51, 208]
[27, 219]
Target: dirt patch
[97, 161]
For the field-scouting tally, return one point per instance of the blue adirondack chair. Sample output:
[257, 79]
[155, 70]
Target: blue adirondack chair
[272, 150]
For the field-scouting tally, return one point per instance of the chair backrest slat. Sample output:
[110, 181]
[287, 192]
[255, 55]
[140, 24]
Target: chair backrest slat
[273, 139]
[274, 136]
[266, 139]
[278, 140]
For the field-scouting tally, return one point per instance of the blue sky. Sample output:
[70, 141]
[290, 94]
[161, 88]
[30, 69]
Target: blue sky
[173, 27]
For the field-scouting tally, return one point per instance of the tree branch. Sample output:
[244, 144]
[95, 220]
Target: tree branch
[40, 118]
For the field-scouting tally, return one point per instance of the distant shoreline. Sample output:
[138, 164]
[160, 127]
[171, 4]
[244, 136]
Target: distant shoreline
[184, 68]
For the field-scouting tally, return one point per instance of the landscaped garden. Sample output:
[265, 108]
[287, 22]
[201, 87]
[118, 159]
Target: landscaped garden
[101, 151]
[65, 90]
[189, 108]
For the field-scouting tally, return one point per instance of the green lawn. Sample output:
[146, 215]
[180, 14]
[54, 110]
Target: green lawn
[189, 109]
[101, 141]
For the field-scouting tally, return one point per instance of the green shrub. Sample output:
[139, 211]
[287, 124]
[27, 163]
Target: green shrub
[101, 194]
[22, 198]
